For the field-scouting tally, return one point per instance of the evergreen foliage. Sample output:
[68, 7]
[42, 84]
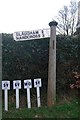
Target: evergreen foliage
[29, 59]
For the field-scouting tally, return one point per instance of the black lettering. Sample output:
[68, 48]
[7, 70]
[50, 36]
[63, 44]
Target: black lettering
[17, 84]
[4, 84]
[38, 35]
[17, 33]
[25, 37]
[42, 33]
[37, 82]
[32, 36]
[25, 84]
[17, 37]
[37, 32]
[29, 83]
[30, 32]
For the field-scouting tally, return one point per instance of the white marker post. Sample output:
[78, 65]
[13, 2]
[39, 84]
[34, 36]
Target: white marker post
[37, 84]
[17, 86]
[6, 87]
[28, 85]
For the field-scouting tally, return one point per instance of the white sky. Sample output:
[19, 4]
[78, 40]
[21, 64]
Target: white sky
[23, 15]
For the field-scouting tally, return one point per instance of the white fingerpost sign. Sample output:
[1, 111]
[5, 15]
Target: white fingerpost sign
[6, 87]
[30, 35]
[28, 85]
[17, 86]
[37, 84]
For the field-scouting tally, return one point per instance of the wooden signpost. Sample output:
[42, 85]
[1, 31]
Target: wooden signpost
[51, 95]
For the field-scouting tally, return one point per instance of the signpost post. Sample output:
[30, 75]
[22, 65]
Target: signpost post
[17, 86]
[37, 84]
[51, 95]
[6, 87]
[28, 85]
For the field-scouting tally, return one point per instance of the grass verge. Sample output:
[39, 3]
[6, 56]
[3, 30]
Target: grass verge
[65, 110]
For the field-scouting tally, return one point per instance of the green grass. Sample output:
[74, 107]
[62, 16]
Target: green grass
[0, 109]
[65, 110]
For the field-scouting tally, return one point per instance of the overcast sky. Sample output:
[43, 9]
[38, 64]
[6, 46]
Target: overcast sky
[23, 15]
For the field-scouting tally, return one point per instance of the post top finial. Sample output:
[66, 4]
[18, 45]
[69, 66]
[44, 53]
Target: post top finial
[53, 23]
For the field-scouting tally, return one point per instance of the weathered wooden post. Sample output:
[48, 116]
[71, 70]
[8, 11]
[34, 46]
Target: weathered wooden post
[51, 95]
